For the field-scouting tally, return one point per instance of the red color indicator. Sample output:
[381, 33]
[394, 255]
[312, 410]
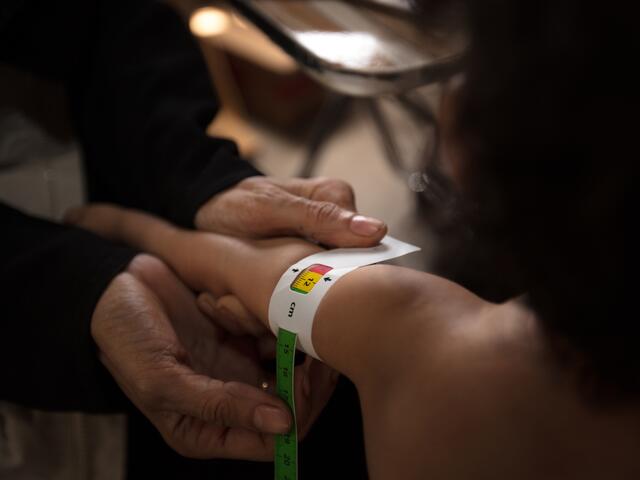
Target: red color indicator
[307, 279]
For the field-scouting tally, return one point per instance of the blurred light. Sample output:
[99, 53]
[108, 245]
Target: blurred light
[208, 22]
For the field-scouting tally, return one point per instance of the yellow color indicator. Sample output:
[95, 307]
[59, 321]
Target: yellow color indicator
[307, 279]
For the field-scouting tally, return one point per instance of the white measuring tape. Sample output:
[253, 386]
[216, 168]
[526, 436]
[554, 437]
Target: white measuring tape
[302, 286]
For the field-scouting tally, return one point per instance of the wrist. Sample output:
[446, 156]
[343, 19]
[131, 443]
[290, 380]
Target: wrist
[253, 267]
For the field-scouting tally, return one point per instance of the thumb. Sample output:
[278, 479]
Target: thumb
[230, 404]
[333, 225]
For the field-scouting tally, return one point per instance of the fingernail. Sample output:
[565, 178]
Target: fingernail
[207, 307]
[269, 419]
[366, 226]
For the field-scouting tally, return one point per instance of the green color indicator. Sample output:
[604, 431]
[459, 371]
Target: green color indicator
[286, 460]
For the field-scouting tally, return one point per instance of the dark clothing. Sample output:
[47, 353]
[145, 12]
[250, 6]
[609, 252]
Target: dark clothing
[51, 278]
[141, 100]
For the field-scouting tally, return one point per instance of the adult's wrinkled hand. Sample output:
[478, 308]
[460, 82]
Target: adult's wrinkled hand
[194, 380]
[319, 209]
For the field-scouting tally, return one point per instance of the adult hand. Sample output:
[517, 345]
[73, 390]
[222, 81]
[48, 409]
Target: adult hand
[319, 209]
[193, 380]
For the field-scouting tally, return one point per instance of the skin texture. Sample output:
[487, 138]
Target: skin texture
[195, 381]
[319, 209]
[152, 337]
[451, 386]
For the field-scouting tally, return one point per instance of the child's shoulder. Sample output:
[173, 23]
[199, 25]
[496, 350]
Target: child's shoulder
[495, 384]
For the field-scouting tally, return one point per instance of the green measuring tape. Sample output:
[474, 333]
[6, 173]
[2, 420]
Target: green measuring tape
[293, 304]
[286, 460]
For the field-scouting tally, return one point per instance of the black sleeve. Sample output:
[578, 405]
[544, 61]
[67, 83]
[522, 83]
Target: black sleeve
[51, 277]
[142, 113]
[141, 100]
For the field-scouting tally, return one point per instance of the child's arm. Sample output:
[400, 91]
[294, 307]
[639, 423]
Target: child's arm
[400, 335]
[360, 323]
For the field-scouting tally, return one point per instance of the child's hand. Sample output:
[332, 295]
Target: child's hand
[234, 317]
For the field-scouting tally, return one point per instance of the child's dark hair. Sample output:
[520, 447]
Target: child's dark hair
[547, 118]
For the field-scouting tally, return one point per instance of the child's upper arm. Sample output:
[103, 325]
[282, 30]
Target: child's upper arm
[374, 318]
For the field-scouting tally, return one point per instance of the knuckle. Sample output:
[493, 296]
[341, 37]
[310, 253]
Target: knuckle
[264, 196]
[218, 410]
[323, 212]
[337, 190]
[340, 186]
[346, 194]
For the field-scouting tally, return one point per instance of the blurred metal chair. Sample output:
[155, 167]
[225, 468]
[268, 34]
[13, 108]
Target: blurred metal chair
[362, 50]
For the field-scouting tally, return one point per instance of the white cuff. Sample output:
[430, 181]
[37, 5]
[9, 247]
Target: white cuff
[302, 286]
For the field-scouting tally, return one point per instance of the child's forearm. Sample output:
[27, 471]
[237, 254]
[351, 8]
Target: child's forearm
[218, 264]
[352, 323]
[347, 325]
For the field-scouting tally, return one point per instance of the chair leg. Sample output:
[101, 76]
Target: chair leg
[422, 112]
[384, 131]
[330, 117]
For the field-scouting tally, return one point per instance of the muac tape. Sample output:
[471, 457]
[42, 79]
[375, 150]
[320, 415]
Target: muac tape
[301, 288]
[293, 305]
